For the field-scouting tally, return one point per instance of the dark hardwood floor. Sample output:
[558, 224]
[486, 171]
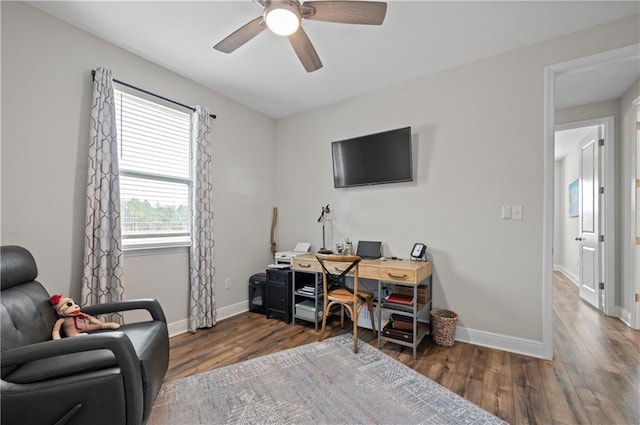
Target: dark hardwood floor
[593, 379]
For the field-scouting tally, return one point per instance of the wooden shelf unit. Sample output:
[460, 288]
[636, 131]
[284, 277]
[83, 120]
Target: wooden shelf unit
[403, 273]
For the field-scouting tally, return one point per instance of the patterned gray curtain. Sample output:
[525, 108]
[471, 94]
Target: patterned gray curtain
[102, 275]
[202, 299]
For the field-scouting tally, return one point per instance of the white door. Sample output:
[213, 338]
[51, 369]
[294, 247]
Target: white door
[589, 196]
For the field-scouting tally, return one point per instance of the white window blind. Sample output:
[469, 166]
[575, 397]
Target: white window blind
[153, 143]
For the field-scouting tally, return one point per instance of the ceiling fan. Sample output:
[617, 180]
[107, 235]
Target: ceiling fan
[283, 17]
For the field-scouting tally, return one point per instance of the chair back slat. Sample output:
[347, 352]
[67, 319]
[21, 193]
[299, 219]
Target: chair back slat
[338, 296]
[329, 279]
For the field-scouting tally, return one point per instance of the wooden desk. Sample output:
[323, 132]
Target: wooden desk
[400, 271]
[388, 273]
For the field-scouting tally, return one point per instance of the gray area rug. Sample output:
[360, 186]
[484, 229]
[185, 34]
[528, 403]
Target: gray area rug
[323, 383]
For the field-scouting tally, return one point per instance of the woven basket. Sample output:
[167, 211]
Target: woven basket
[443, 324]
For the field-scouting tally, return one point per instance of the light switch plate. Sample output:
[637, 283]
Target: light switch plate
[506, 212]
[516, 212]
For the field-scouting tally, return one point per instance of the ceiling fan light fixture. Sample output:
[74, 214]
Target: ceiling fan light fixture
[283, 18]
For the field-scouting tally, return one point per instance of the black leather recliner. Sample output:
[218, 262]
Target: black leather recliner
[109, 377]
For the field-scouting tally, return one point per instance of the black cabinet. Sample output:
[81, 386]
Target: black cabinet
[279, 294]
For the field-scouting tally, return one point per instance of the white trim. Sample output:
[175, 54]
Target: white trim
[548, 214]
[587, 63]
[157, 250]
[624, 315]
[548, 177]
[512, 344]
[233, 310]
[177, 328]
[610, 239]
[182, 326]
[632, 250]
[472, 336]
[572, 277]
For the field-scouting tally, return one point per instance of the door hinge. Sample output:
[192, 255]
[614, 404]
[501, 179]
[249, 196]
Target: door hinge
[601, 285]
[601, 190]
[601, 142]
[601, 238]
[637, 298]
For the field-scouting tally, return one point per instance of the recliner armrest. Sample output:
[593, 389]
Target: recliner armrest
[117, 342]
[151, 305]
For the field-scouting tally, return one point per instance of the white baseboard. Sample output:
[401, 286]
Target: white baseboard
[182, 326]
[471, 336]
[501, 342]
[624, 315]
[179, 327]
[572, 277]
[620, 312]
[233, 310]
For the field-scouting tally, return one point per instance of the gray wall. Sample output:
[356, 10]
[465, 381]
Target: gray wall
[478, 131]
[478, 135]
[46, 96]
[568, 227]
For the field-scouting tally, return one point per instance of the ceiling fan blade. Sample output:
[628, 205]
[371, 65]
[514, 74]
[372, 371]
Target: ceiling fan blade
[346, 12]
[241, 35]
[305, 50]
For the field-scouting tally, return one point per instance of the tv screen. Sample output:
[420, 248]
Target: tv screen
[373, 159]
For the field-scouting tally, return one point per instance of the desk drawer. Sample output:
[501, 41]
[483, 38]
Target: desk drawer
[398, 275]
[369, 272]
[282, 277]
[336, 267]
[306, 265]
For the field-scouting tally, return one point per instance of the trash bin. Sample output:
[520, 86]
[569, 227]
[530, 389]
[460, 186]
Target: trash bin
[443, 324]
[257, 293]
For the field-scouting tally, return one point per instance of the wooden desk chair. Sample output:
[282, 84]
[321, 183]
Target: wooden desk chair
[337, 293]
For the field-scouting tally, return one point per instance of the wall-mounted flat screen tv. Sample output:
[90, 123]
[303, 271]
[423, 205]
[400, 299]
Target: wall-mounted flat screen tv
[373, 159]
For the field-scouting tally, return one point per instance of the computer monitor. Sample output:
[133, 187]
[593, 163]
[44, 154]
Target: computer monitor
[369, 250]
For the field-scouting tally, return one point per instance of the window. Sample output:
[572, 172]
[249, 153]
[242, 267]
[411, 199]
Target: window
[155, 184]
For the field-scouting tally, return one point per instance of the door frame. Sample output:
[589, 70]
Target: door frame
[550, 72]
[634, 263]
[606, 214]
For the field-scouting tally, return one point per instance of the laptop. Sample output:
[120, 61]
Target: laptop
[369, 250]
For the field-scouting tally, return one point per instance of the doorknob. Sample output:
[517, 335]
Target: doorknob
[578, 239]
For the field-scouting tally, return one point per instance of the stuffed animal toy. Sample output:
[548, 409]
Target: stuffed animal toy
[72, 321]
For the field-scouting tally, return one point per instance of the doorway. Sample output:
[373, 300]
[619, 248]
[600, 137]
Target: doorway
[573, 71]
[583, 199]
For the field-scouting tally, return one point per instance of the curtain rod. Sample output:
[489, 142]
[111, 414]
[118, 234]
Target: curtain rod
[93, 74]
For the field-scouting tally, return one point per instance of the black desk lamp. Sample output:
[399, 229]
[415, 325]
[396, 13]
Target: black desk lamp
[324, 216]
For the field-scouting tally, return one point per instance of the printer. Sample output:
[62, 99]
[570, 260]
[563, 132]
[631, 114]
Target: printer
[285, 257]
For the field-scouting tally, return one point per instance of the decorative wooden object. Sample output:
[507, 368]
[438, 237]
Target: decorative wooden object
[273, 231]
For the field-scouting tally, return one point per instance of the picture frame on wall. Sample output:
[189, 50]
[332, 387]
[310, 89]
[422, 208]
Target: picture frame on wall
[573, 199]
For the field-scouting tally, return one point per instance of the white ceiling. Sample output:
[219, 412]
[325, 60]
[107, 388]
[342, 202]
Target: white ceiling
[567, 140]
[417, 38]
[600, 83]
